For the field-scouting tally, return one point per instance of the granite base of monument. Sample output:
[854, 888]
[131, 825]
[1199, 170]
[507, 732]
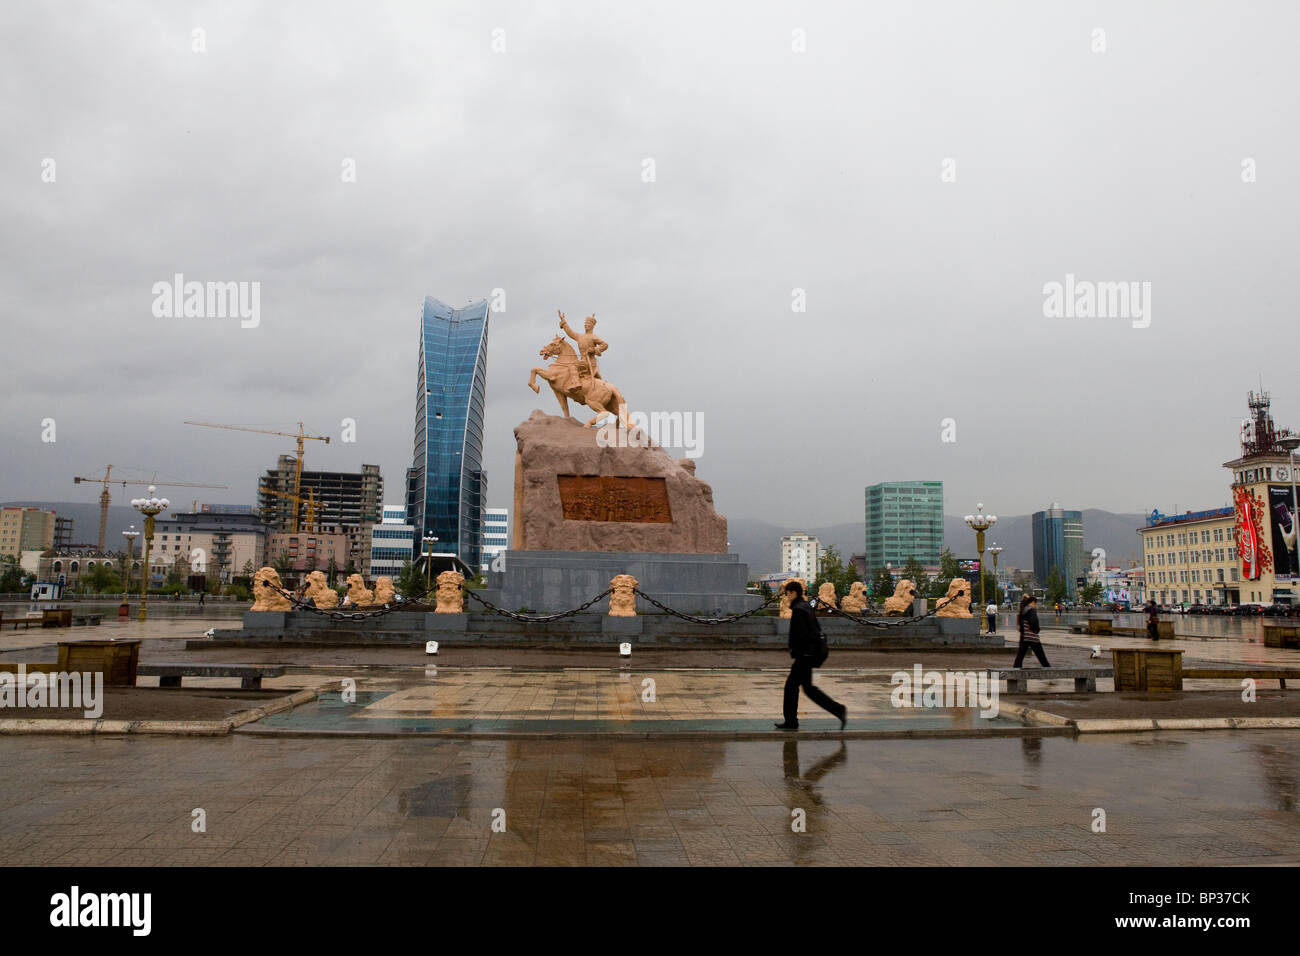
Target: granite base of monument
[552, 581]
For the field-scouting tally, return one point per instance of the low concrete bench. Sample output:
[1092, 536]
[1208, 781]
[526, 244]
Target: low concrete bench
[20, 621]
[1085, 678]
[1281, 635]
[250, 675]
[87, 619]
[1279, 674]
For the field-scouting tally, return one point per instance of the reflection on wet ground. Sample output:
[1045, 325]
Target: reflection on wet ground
[1194, 799]
[603, 700]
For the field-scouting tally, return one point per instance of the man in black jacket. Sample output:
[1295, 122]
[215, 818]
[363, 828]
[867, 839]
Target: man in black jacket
[805, 644]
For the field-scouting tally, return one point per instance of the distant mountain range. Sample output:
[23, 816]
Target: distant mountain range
[757, 542]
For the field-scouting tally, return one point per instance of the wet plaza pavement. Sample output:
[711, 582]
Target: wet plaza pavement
[1215, 798]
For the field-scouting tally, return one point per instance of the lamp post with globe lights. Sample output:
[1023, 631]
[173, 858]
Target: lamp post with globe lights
[429, 541]
[994, 549]
[979, 523]
[150, 507]
[130, 536]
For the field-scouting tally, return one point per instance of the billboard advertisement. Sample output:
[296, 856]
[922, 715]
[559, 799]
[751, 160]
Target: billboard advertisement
[1282, 521]
[1248, 528]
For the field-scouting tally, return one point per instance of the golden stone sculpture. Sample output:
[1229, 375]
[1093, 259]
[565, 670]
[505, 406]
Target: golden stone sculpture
[358, 594]
[785, 596]
[320, 592]
[622, 603]
[955, 606]
[826, 595]
[451, 600]
[855, 602]
[576, 375]
[268, 599]
[385, 593]
[901, 602]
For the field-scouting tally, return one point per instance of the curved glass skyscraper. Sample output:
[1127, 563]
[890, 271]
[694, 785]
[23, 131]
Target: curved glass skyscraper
[446, 488]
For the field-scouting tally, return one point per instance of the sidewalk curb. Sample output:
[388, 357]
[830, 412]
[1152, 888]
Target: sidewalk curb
[1104, 725]
[178, 728]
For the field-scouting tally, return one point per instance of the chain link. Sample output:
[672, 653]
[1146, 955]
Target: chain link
[710, 621]
[902, 622]
[536, 618]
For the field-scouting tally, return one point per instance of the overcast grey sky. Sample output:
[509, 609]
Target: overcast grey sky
[775, 170]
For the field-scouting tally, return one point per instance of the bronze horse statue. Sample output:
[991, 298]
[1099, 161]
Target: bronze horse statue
[570, 378]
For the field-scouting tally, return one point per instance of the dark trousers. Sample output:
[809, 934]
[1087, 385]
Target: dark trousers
[1036, 647]
[993, 623]
[1153, 631]
[801, 676]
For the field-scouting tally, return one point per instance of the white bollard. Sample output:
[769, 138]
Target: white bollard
[625, 649]
[431, 647]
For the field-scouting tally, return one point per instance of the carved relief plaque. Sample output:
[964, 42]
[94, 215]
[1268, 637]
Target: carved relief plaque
[610, 498]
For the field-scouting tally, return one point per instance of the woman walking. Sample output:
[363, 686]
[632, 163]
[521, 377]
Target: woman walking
[1027, 622]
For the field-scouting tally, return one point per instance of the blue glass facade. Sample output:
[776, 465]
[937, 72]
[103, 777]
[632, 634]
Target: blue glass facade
[446, 488]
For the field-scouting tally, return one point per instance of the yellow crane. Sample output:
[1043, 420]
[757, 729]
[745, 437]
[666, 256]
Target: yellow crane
[105, 498]
[298, 502]
[301, 437]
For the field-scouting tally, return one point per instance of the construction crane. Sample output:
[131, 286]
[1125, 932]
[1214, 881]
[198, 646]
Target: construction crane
[105, 498]
[301, 437]
[309, 501]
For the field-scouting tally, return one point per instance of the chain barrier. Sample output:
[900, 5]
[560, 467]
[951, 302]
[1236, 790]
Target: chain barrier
[535, 618]
[901, 622]
[418, 604]
[710, 621]
[406, 604]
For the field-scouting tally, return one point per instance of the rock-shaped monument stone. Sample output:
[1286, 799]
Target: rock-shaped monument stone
[608, 489]
[268, 598]
[957, 601]
[855, 602]
[785, 596]
[901, 602]
[622, 603]
[450, 597]
[320, 592]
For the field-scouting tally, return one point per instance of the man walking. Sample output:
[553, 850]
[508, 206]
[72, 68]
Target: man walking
[1153, 620]
[805, 647]
[992, 613]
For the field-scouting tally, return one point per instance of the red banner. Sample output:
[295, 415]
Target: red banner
[1248, 535]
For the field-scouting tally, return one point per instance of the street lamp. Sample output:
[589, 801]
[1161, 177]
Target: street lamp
[149, 507]
[429, 542]
[994, 549]
[979, 523]
[130, 536]
[1291, 443]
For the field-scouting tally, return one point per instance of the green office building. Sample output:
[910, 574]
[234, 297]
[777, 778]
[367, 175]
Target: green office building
[904, 521]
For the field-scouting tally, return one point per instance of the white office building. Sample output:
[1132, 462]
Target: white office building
[496, 534]
[800, 556]
[392, 542]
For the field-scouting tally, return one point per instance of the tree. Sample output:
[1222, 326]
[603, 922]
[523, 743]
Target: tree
[283, 564]
[915, 572]
[882, 585]
[248, 570]
[991, 590]
[835, 571]
[100, 580]
[1057, 588]
[409, 583]
[1092, 592]
[11, 578]
[948, 569]
[331, 571]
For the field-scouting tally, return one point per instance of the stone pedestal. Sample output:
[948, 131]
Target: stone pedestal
[699, 584]
[587, 489]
